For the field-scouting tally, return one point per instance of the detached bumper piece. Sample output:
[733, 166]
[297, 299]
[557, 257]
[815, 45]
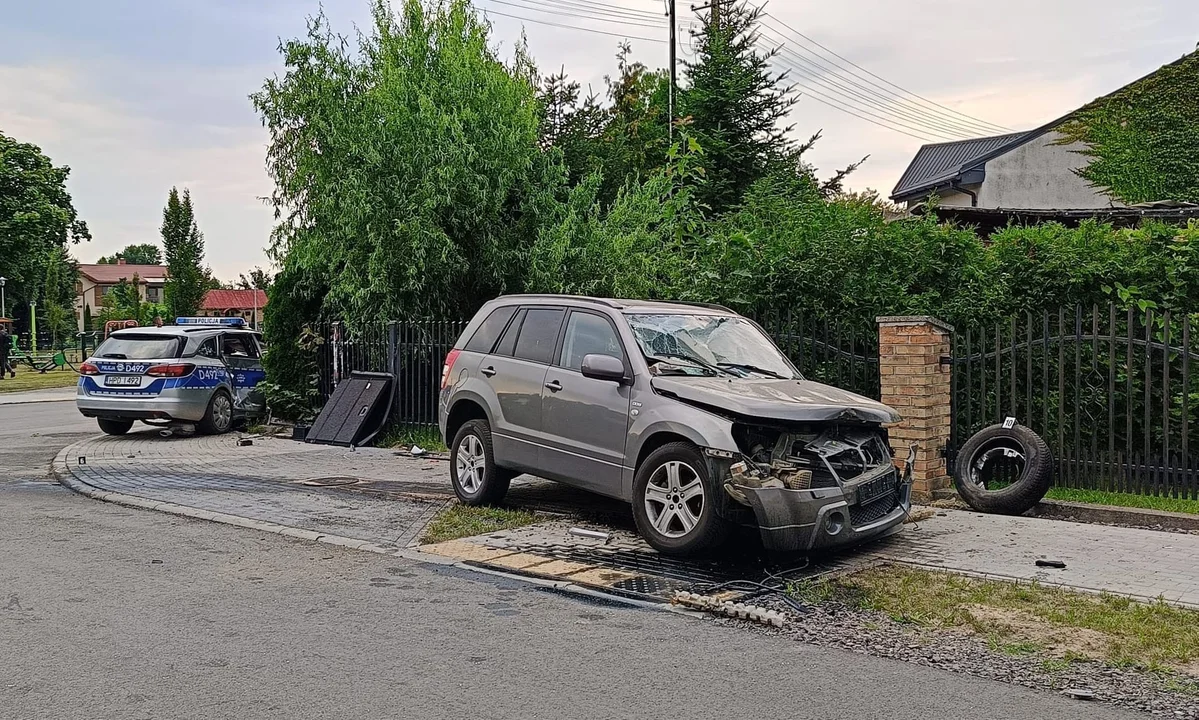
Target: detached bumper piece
[822, 518]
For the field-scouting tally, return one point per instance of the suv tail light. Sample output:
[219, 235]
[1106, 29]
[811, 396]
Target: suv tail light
[174, 370]
[449, 365]
[88, 369]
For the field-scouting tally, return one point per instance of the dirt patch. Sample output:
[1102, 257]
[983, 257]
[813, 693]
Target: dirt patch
[1056, 640]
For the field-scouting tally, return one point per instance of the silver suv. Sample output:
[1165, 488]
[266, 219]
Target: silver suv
[689, 412]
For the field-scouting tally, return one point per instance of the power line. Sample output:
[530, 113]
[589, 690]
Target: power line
[969, 119]
[910, 120]
[525, 5]
[625, 36]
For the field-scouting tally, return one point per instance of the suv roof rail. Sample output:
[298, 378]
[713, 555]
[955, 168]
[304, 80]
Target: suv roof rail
[560, 296]
[709, 306]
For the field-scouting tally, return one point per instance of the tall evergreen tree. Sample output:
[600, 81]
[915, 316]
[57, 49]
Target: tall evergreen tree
[183, 246]
[735, 103]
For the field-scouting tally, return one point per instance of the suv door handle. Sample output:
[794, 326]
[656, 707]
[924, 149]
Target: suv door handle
[488, 371]
[554, 386]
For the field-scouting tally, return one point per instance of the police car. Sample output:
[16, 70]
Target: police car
[202, 372]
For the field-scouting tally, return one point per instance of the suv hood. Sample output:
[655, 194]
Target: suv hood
[789, 400]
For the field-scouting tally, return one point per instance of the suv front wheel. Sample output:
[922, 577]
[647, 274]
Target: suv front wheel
[476, 479]
[673, 503]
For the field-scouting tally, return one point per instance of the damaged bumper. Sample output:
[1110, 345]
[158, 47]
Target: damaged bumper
[821, 518]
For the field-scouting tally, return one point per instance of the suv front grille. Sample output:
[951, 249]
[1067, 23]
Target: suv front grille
[875, 510]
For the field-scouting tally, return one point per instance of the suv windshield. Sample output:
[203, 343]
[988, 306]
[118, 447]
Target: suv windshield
[708, 345]
[138, 347]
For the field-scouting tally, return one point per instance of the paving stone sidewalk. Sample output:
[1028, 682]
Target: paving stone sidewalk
[387, 499]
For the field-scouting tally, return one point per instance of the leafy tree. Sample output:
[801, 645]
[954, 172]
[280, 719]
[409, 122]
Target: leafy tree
[735, 104]
[409, 176]
[183, 246]
[36, 217]
[124, 302]
[143, 254]
[59, 296]
[1143, 140]
[258, 279]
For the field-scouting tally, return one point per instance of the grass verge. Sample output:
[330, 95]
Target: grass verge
[459, 521]
[28, 379]
[1024, 618]
[406, 436]
[1144, 502]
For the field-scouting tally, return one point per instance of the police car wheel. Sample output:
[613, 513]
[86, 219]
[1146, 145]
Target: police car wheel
[114, 427]
[219, 417]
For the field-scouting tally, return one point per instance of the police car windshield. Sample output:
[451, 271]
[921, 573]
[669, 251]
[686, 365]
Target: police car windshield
[138, 347]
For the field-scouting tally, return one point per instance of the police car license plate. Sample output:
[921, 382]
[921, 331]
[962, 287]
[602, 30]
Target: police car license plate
[122, 380]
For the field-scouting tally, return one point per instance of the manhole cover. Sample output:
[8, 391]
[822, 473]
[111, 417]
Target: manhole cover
[330, 481]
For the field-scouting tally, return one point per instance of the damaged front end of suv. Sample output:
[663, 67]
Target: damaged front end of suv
[818, 485]
[813, 463]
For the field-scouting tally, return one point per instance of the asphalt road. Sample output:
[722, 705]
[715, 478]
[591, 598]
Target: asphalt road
[118, 613]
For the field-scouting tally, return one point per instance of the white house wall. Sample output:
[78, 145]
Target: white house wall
[1039, 175]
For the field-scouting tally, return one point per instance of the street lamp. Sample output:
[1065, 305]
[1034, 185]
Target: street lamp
[2, 281]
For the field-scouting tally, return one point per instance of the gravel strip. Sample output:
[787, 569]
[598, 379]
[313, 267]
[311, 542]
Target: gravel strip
[874, 633]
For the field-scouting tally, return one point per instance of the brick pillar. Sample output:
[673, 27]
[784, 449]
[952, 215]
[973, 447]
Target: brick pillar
[917, 384]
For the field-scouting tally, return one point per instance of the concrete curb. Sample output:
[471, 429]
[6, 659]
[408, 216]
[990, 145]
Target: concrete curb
[60, 470]
[34, 401]
[1136, 517]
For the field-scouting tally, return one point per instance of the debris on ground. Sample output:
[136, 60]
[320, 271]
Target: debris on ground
[416, 451]
[740, 611]
[1045, 562]
[919, 514]
[1079, 693]
[593, 534]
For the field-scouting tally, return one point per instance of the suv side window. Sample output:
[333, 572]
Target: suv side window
[586, 334]
[539, 334]
[208, 349]
[484, 338]
[507, 344]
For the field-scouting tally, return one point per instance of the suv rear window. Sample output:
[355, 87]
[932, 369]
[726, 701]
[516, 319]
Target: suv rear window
[484, 338]
[138, 347]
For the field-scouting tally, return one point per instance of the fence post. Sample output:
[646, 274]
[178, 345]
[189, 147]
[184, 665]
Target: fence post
[915, 382]
[336, 353]
[393, 336]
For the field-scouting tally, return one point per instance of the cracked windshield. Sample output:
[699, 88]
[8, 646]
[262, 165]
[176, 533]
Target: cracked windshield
[708, 345]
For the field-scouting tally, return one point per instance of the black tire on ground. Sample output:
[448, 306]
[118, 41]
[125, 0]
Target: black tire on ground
[1034, 466]
[114, 427]
[673, 508]
[473, 472]
[217, 420]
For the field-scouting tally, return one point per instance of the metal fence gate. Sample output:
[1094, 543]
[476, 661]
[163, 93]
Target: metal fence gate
[1110, 390]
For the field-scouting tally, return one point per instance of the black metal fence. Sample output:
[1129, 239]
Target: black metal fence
[1111, 390]
[830, 353]
[412, 350]
[415, 350]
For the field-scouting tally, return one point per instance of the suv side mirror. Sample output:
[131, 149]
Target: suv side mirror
[603, 367]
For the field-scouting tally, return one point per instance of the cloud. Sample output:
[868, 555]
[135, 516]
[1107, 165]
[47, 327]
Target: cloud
[126, 150]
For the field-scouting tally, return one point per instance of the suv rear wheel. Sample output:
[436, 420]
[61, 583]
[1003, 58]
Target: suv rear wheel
[473, 473]
[673, 501]
[114, 427]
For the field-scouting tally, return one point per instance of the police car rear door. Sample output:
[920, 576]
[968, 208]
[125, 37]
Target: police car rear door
[242, 356]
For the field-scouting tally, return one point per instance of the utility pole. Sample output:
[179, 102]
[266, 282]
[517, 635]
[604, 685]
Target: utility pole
[672, 12]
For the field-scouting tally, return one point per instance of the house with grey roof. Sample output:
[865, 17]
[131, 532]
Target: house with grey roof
[1037, 169]
[1054, 172]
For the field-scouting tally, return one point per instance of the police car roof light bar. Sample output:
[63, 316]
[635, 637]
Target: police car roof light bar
[230, 321]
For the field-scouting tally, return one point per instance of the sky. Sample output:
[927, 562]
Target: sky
[137, 96]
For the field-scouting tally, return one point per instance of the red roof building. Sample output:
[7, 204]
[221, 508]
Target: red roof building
[246, 304]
